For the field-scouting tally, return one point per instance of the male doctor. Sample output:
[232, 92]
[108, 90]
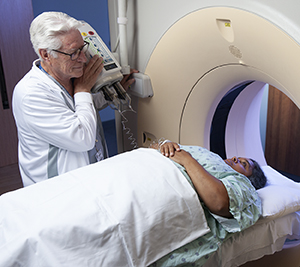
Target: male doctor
[59, 128]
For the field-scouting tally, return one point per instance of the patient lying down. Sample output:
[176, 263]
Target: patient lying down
[136, 209]
[210, 189]
[221, 191]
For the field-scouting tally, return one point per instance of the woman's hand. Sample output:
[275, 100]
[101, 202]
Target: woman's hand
[169, 148]
[183, 158]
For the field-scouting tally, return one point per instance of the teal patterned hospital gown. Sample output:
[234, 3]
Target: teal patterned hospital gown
[245, 206]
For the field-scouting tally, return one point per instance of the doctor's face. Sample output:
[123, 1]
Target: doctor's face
[244, 166]
[63, 67]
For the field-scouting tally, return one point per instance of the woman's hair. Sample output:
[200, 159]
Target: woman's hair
[47, 28]
[258, 178]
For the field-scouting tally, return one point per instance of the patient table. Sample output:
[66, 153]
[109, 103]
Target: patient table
[131, 210]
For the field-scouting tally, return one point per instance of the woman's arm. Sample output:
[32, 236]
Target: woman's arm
[210, 189]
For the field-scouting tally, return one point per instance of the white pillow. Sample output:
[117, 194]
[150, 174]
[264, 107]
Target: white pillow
[280, 196]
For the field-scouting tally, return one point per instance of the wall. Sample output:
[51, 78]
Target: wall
[94, 12]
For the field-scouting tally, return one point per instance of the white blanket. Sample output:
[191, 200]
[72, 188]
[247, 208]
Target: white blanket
[128, 210]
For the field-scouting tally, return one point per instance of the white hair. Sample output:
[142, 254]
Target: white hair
[47, 28]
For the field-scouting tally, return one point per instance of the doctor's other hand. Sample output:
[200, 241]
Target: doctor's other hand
[90, 74]
[127, 80]
[169, 148]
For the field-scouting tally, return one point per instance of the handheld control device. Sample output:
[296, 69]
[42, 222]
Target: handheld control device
[110, 77]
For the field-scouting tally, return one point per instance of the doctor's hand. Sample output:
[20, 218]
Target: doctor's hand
[169, 148]
[127, 80]
[90, 74]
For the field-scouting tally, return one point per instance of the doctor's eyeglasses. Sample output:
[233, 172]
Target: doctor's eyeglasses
[76, 54]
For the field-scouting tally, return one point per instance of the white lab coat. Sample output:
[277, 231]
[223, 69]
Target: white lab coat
[55, 131]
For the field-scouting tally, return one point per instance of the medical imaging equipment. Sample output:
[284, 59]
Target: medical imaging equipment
[109, 79]
[195, 52]
[199, 52]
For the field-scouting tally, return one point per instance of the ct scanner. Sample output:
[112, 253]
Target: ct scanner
[196, 51]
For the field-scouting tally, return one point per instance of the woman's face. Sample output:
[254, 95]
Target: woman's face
[244, 166]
